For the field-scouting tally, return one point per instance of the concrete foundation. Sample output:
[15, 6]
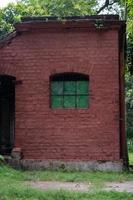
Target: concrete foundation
[115, 166]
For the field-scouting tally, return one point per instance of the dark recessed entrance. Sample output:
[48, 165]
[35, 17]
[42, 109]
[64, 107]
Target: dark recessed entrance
[7, 113]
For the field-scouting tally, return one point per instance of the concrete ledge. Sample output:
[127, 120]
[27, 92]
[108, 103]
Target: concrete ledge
[26, 164]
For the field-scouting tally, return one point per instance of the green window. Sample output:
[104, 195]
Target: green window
[69, 90]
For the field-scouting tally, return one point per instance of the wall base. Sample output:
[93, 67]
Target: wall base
[25, 164]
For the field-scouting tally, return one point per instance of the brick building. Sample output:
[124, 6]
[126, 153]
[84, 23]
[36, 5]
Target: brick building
[61, 89]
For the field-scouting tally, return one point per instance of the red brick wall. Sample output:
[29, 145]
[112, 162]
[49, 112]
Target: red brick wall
[65, 134]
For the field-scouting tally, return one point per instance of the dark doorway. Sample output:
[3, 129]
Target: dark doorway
[7, 113]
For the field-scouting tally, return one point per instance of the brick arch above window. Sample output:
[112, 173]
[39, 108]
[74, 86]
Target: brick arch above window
[69, 90]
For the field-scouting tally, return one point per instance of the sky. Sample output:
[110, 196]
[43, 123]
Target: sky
[5, 2]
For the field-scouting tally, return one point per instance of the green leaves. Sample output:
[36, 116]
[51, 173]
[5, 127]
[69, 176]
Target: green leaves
[62, 8]
[129, 105]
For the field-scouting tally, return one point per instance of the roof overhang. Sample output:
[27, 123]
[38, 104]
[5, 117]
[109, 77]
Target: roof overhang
[95, 22]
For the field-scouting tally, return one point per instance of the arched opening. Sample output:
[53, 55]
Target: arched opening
[69, 90]
[7, 113]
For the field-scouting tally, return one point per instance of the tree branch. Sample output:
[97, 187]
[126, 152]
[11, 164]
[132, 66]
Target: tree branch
[105, 5]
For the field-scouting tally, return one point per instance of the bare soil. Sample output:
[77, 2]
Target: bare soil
[53, 185]
[120, 187]
[81, 187]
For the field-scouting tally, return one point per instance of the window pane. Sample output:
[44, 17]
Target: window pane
[82, 87]
[69, 87]
[57, 87]
[57, 101]
[69, 101]
[82, 101]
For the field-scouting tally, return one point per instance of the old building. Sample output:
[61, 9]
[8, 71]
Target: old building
[61, 93]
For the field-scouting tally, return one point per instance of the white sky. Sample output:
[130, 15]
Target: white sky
[5, 2]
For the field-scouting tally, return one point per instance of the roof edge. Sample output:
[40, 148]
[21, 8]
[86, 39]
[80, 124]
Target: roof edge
[8, 38]
[92, 23]
[55, 18]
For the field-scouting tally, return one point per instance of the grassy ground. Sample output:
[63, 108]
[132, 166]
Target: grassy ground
[12, 185]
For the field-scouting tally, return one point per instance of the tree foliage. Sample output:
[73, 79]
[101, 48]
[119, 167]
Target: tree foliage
[129, 105]
[13, 13]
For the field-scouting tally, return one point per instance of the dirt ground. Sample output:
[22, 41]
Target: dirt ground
[60, 185]
[120, 187]
[83, 187]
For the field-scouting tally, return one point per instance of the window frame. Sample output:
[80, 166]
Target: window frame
[64, 77]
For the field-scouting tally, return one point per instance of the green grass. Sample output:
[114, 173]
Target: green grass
[93, 177]
[64, 195]
[12, 185]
